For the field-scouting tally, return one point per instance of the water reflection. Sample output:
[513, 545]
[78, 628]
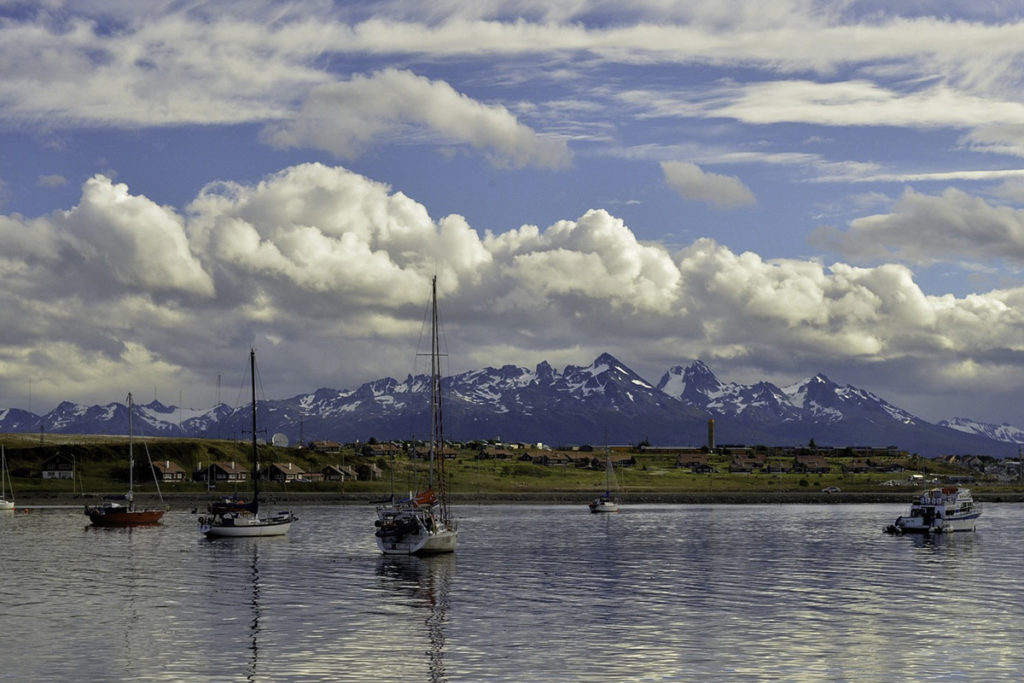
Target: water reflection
[254, 625]
[427, 581]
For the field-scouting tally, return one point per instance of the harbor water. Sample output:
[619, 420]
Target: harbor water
[534, 593]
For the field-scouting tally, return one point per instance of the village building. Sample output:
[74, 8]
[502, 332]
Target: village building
[232, 472]
[58, 467]
[169, 471]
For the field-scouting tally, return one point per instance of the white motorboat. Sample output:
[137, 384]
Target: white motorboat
[938, 511]
[422, 524]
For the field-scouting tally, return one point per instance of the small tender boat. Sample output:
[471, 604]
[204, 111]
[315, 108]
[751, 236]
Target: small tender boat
[939, 511]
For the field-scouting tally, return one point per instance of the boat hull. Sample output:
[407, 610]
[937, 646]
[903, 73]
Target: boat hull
[6, 504]
[603, 504]
[420, 543]
[904, 525]
[108, 517]
[246, 527]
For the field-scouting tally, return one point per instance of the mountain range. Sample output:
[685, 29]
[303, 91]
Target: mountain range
[604, 402]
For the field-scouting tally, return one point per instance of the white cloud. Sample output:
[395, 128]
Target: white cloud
[344, 118]
[331, 270]
[52, 180]
[923, 229]
[694, 183]
[839, 103]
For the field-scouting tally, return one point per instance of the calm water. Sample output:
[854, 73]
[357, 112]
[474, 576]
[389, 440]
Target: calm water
[535, 593]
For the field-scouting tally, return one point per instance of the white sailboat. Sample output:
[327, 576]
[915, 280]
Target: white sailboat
[5, 483]
[605, 502]
[423, 524]
[245, 520]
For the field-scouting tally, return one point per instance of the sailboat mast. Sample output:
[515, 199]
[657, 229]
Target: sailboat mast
[131, 456]
[255, 459]
[437, 417]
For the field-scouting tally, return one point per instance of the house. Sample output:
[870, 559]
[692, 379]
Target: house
[535, 457]
[222, 472]
[585, 461]
[58, 467]
[741, 465]
[810, 464]
[694, 460]
[284, 472]
[856, 467]
[559, 459]
[620, 461]
[326, 446]
[381, 449]
[338, 473]
[169, 471]
[368, 472]
[493, 453]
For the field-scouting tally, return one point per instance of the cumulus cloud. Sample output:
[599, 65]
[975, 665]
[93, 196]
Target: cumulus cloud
[694, 183]
[331, 270]
[924, 229]
[345, 117]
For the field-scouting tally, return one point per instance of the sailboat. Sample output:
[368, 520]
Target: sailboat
[112, 513]
[5, 483]
[422, 524]
[245, 520]
[605, 502]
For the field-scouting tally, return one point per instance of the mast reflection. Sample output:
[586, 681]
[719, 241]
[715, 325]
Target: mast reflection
[254, 625]
[428, 581]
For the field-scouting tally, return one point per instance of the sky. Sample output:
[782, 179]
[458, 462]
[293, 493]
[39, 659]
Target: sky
[776, 189]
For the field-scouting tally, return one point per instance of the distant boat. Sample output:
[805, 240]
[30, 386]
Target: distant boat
[939, 511]
[112, 513]
[5, 483]
[422, 524]
[242, 518]
[605, 502]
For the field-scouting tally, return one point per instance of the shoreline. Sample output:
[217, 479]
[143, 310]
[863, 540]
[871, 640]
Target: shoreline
[199, 500]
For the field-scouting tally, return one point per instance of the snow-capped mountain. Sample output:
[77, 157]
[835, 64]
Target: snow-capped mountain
[1000, 432]
[604, 402]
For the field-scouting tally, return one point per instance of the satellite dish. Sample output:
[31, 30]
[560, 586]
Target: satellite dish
[279, 439]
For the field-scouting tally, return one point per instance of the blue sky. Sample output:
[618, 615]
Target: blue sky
[777, 189]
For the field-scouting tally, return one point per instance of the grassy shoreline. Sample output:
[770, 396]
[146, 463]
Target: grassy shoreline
[199, 500]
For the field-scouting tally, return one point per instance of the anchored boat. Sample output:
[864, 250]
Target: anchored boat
[423, 524]
[605, 502]
[112, 513]
[243, 519]
[939, 511]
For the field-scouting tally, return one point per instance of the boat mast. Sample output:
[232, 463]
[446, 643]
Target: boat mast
[437, 419]
[255, 459]
[131, 457]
